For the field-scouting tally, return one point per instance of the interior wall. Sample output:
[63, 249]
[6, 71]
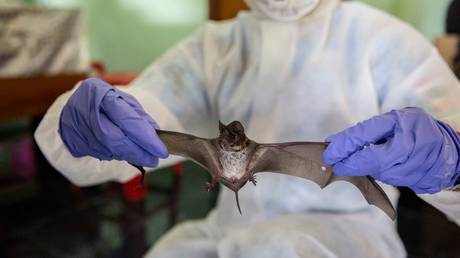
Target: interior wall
[129, 34]
[428, 16]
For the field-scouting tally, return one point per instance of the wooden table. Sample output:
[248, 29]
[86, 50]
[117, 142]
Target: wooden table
[225, 9]
[31, 97]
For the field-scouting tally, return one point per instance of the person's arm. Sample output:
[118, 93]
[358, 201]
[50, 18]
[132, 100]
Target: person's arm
[172, 91]
[406, 147]
[456, 66]
[448, 46]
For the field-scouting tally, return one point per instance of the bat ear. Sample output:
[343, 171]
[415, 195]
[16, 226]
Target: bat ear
[222, 127]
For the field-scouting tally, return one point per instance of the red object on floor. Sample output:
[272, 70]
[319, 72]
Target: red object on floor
[178, 169]
[133, 191]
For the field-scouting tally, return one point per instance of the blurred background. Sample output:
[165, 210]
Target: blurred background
[43, 215]
[146, 28]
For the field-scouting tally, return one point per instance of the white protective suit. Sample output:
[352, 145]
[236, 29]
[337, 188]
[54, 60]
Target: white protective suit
[297, 80]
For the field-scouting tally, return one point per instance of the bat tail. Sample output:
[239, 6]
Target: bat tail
[238, 202]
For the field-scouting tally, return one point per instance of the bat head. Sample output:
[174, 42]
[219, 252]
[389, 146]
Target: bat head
[232, 136]
[234, 127]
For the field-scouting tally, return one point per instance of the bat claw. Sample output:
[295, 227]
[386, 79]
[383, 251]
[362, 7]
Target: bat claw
[141, 181]
[253, 180]
[208, 187]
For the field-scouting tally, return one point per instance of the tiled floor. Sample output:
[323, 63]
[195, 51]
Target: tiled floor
[46, 217]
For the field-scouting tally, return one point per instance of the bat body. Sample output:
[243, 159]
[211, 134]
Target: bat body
[232, 159]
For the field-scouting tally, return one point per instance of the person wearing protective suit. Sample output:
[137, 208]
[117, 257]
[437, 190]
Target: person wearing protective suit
[297, 70]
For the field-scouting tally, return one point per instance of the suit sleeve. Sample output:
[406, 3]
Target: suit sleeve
[172, 90]
[408, 71]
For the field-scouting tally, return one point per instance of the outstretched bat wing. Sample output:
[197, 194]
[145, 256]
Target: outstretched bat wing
[304, 159]
[301, 159]
[200, 150]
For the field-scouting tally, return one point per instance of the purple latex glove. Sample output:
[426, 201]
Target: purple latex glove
[103, 122]
[402, 148]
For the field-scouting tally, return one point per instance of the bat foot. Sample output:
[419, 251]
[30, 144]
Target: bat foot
[208, 187]
[253, 180]
[141, 181]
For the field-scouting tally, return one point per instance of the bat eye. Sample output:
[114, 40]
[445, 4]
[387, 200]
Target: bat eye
[237, 127]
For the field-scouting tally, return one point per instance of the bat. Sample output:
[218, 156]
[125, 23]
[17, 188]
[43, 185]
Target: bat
[233, 159]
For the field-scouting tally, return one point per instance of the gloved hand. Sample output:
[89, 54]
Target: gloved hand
[401, 148]
[103, 122]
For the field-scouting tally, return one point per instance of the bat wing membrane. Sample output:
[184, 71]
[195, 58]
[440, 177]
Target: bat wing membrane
[301, 159]
[371, 191]
[200, 150]
[304, 159]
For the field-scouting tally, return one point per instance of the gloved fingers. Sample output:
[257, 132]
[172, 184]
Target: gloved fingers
[120, 146]
[353, 139]
[420, 159]
[138, 108]
[76, 142]
[96, 121]
[131, 152]
[137, 129]
[363, 162]
[376, 158]
[432, 181]
[401, 174]
[102, 87]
